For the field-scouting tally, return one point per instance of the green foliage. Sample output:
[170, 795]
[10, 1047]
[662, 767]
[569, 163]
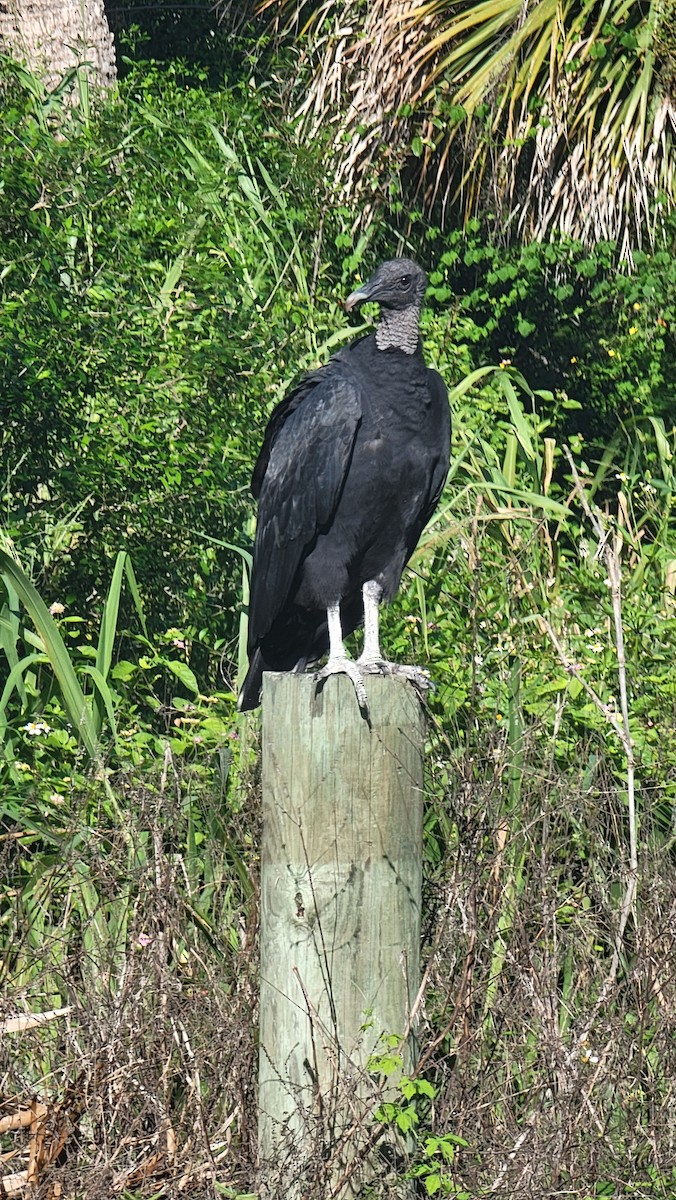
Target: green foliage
[160, 291]
[433, 1156]
[85, 716]
[597, 338]
[152, 258]
[166, 275]
[66, 707]
[515, 504]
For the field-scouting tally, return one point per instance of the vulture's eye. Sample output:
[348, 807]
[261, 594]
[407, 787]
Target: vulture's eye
[404, 281]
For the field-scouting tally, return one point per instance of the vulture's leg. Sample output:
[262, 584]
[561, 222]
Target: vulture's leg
[339, 663]
[371, 659]
[371, 592]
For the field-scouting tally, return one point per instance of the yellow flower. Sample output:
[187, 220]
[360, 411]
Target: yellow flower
[573, 359]
[633, 329]
[636, 306]
[611, 353]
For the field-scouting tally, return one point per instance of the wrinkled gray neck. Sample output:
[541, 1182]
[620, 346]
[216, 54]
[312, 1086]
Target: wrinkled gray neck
[399, 329]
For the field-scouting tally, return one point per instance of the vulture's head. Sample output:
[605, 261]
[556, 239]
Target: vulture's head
[398, 286]
[398, 283]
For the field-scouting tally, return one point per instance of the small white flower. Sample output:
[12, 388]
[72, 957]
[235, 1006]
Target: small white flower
[36, 728]
[57, 798]
[478, 660]
[56, 609]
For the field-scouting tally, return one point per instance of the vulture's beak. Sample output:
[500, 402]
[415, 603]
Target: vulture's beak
[357, 297]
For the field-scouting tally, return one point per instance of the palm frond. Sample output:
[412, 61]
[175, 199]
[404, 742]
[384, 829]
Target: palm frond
[554, 114]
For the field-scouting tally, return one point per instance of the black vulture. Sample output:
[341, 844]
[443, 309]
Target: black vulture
[352, 465]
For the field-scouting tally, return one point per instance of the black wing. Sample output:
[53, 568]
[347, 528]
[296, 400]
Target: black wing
[298, 480]
[440, 456]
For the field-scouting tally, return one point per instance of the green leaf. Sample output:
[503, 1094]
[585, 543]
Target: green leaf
[405, 1119]
[425, 1088]
[509, 462]
[123, 670]
[111, 608]
[184, 674]
[135, 594]
[518, 419]
[474, 377]
[105, 695]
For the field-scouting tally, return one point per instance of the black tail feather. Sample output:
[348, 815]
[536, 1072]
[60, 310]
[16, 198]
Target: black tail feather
[250, 695]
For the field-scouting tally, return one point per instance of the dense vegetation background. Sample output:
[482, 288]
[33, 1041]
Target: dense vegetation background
[172, 258]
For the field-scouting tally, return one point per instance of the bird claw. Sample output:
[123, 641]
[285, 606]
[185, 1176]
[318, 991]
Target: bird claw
[346, 666]
[418, 676]
[355, 671]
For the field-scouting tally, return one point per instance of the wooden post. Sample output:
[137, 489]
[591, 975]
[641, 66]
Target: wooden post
[341, 868]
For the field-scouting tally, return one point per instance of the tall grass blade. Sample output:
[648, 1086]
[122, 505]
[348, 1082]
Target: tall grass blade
[111, 608]
[135, 594]
[105, 695]
[9, 635]
[247, 564]
[422, 604]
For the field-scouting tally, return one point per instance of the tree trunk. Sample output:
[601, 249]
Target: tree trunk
[53, 36]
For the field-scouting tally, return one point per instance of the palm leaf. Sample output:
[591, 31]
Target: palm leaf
[560, 117]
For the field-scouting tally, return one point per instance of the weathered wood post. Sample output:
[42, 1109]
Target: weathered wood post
[341, 868]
